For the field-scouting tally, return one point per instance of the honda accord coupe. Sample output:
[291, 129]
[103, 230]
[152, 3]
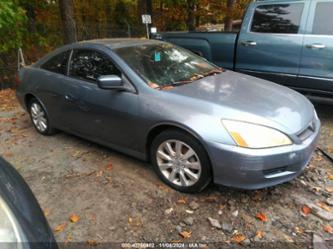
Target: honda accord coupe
[195, 122]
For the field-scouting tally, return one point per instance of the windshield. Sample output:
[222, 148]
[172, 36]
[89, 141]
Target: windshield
[164, 64]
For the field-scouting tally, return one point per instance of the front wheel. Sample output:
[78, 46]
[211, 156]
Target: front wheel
[180, 161]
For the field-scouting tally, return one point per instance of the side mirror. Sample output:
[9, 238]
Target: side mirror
[110, 82]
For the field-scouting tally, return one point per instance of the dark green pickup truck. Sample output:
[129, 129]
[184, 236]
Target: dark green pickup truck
[287, 41]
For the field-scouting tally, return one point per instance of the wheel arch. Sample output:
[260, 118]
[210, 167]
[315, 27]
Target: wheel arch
[28, 97]
[161, 127]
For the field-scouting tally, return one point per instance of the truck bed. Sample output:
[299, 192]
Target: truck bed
[217, 47]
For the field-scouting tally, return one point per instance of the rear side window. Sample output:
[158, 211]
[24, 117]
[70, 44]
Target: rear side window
[277, 18]
[91, 64]
[323, 21]
[58, 63]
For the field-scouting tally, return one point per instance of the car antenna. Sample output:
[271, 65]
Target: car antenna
[20, 59]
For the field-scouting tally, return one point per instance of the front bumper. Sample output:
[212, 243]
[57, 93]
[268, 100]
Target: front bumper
[259, 168]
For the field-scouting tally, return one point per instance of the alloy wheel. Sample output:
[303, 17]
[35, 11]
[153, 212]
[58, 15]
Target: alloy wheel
[38, 117]
[179, 163]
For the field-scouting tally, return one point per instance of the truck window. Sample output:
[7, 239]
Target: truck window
[277, 18]
[323, 21]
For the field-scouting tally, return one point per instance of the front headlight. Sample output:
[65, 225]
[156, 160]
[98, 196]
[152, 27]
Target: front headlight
[255, 136]
[10, 231]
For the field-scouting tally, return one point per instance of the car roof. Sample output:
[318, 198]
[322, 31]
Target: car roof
[116, 43]
[112, 44]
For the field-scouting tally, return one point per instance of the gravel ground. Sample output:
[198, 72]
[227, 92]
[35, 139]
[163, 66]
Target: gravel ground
[116, 198]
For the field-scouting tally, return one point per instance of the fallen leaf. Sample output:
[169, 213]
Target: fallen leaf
[99, 173]
[306, 210]
[168, 211]
[76, 153]
[262, 217]
[212, 198]
[288, 238]
[92, 242]
[299, 230]
[135, 221]
[74, 218]
[238, 238]
[258, 196]
[329, 189]
[259, 234]
[60, 228]
[164, 188]
[108, 180]
[69, 238]
[322, 205]
[222, 206]
[109, 167]
[93, 218]
[8, 154]
[330, 177]
[186, 234]
[46, 212]
[182, 200]
[328, 229]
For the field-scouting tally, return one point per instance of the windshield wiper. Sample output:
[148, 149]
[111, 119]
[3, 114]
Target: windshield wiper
[193, 78]
[182, 82]
[213, 72]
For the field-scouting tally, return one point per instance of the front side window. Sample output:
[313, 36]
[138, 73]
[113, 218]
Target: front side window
[90, 64]
[323, 21]
[277, 18]
[165, 64]
[58, 63]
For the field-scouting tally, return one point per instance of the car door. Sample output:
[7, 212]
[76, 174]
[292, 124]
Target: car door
[107, 116]
[316, 69]
[270, 45]
[54, 89]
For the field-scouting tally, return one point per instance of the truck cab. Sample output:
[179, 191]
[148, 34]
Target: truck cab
[289, 42]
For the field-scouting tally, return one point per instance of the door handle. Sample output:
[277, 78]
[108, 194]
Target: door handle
[316, 45]
[249, 43]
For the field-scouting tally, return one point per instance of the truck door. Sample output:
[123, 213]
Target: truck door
[270, 41]
[316, 68]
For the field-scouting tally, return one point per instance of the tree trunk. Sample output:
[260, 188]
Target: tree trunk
[191, 15]
[30, 12]
[140, 8]
[229, 15]
[149, 4]
[197, 17]
[108, 10]
[68, 22]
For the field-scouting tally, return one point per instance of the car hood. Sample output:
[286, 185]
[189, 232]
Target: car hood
[243, 97]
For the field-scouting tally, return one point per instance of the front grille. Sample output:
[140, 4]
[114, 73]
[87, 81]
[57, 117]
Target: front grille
[308, 131]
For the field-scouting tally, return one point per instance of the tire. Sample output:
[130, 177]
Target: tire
[180, 161]
[39, 118]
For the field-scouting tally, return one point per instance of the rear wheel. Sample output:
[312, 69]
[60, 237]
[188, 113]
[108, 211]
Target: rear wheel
[39, 118]
[180, 161]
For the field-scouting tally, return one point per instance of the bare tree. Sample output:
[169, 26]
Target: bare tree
[68, 22]
[229, 15]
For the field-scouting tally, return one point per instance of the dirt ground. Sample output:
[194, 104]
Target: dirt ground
[115, 198]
